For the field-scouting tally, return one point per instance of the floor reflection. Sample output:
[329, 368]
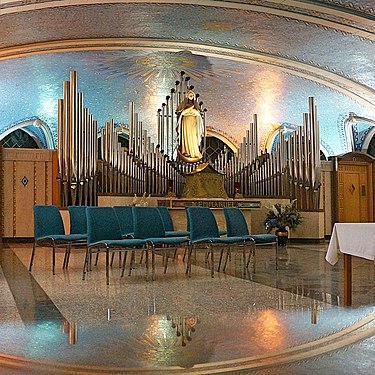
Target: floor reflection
[176, 320]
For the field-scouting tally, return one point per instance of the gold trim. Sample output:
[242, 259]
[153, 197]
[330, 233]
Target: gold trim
[187, 159]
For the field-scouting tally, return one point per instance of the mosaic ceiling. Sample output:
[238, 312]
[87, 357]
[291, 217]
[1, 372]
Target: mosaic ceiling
[244, 57]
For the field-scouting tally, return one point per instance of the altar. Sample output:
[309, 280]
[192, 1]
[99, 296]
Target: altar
[351, 239]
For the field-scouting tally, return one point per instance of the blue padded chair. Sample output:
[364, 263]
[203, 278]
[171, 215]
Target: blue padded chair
[237, 226]
[148, 225]
[168, 224]
[78, 225]
[204, 230]
[104, 234]
[222, 232]
[125, 218]
[49, 231]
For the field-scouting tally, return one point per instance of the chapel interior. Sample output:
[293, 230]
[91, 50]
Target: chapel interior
[148, 150]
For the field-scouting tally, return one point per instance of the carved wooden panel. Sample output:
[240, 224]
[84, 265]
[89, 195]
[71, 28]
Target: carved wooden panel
[355, 192]
[28, 180]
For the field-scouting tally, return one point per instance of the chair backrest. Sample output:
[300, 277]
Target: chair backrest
[47, 221]
[102, 224]
[202, 223]
[166, 217]
[78, 219]
[147, 223]
[236, 222]
[125, 218]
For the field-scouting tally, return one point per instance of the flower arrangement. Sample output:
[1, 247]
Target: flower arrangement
[283, 217]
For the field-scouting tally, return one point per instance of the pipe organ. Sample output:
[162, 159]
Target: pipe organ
[142, 168]
[77, 148]
[291, 170]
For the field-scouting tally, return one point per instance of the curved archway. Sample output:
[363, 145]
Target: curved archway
[37, 129]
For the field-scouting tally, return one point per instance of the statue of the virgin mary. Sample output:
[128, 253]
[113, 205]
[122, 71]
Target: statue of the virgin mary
[189, 128]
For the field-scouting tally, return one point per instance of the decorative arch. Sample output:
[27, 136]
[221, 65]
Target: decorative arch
[224, 137]
[273, 137]
[35, 128]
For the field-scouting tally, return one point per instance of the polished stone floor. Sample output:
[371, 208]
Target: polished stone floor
[285, 321]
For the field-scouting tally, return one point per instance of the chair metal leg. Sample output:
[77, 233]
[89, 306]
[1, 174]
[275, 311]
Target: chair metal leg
[147, 266]
[132, 262]
[69, 252]
[244, 258]
[90, 260]
[107, 265]
[251, 256]
[53, 258]
[226, 259]
[188, 265]
[112, 257]
[153, 263]
[32, 257]
[66, 257]
[212, 262]
[221, 257]
[166, 260]
[86, 263]
[123, 264]
[96, 260]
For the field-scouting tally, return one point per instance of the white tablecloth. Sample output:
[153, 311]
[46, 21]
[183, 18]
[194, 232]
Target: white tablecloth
[352, 238]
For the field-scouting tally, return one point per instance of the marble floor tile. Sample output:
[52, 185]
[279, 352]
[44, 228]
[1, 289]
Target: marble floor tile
[285, 321]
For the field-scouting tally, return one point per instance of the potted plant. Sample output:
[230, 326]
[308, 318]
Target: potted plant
[283, 218]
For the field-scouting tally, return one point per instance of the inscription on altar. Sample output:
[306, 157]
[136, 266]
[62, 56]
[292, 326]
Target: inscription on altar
[211, 203]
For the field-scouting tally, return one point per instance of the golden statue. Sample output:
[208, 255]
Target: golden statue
[190, 128]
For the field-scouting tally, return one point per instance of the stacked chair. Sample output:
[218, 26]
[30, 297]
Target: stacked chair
[49, 232]
[78, 226]
[237, 227]
[123, 229]
[104, 234]
[149, 226]
[125, 218]
[204, 231]
[168, 224]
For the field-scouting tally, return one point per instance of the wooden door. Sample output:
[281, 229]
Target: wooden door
[355, 192]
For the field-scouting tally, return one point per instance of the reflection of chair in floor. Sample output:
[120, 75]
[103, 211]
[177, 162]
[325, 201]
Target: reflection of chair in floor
[148, 225]
[49, 231]
[204, 231]
[237, 226]
[104, 235]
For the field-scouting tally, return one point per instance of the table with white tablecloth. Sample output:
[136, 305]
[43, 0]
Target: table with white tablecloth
[351, 239]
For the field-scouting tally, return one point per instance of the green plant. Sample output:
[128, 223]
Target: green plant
[283, 216]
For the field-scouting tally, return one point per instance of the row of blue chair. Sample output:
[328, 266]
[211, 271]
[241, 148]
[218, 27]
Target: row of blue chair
[120, 229]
